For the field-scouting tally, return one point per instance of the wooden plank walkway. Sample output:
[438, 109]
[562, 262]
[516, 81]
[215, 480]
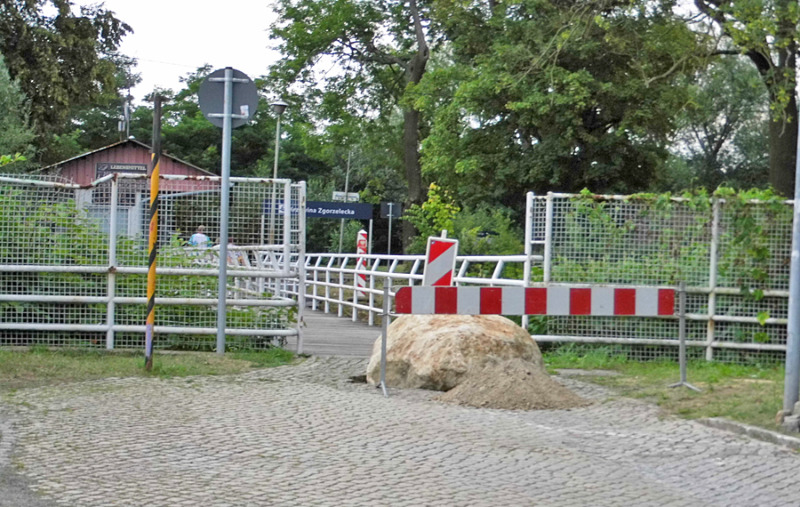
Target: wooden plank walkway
[329, 335]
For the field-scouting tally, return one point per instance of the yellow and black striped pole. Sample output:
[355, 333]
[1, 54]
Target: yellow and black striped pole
[153, 236]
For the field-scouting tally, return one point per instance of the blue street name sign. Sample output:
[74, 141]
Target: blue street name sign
[280, 205]
[356, 211]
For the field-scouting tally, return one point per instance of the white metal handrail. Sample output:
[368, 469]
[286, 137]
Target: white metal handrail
[331, 278]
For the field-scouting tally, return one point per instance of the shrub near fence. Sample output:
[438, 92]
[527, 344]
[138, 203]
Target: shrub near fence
[731, 250]
[66, 280]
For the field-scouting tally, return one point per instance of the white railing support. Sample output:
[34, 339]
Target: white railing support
[112, 265]
[712, 278]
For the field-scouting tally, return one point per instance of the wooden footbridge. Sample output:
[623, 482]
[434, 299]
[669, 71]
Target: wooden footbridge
[329, 335]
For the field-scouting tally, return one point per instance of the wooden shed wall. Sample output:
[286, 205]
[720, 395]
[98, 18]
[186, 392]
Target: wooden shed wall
[83, 170]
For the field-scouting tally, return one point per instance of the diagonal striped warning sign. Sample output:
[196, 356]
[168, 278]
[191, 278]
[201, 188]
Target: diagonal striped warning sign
[361, 263]
[553, 300]
[440, 262]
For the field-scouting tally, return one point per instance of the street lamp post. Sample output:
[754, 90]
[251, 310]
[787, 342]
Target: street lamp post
[279, 107]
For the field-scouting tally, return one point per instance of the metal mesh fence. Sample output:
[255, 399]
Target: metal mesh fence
[733, 257]
[73, 261]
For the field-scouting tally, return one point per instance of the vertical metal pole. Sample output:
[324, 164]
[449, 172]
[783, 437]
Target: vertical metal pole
[682, 330]
[356, 293]
[314, 302]
[342, 267]
[548, 237]
[128, 115]
[346, 184]
[371, 313]
[287, 226]
[369, 243]
[682, 338]
[277, 147]
[222, 291]
[527, 267]
[111, 288]
[391, 215]
[328, 285]
[385, 334]
[301, 264]
[273, 193]
[155, 170]
[791, 382]
[712, 280]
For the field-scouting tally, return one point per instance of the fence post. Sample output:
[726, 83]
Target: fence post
[371, 314]
[682, 339]
[287, 227]
[342, 267]
[314, 302]
[526, 270]
[301, 265]
[111, 285]
[328, 285]
[548, 237]
[414, 269]
[712, 280]
[384, 336]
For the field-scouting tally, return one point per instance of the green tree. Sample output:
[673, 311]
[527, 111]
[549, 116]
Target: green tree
[16, 135]
[98, 124]
[59, 58]
[551, 96]
[766, 33]
[723, 136]
[380, 49]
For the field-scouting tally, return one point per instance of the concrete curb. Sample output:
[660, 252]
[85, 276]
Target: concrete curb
[752, 432]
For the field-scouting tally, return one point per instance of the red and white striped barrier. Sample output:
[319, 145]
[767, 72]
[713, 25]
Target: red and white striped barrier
[361, 264]
[440, 262]
[553, 300]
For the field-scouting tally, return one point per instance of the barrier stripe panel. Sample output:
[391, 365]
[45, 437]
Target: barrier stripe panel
[536, 301]
[513, 301]
[624, 301]
[647, 302]
[446, 300]
[469, 301]
[558, 301]
[580, 301]
[602, 301]
[422, 303]
[666, 301]
[402, 300]
[491, 300]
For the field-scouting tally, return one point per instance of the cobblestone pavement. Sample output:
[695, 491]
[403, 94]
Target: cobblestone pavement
[304, 435]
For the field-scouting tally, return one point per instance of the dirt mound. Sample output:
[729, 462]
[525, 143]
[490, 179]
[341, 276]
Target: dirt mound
[513, 384]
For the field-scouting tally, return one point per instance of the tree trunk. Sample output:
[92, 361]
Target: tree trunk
[783, 133]
[411, 118]
[782, 151]
[416, 194]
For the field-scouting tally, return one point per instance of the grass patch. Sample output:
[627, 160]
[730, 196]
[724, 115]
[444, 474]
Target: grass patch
[747, 394]
[37, 366]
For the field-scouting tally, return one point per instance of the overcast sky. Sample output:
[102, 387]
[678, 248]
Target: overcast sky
[174, 37]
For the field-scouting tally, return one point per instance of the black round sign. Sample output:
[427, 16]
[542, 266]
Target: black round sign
[211, 98]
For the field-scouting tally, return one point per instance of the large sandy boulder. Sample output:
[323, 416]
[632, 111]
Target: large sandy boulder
[436, 351]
